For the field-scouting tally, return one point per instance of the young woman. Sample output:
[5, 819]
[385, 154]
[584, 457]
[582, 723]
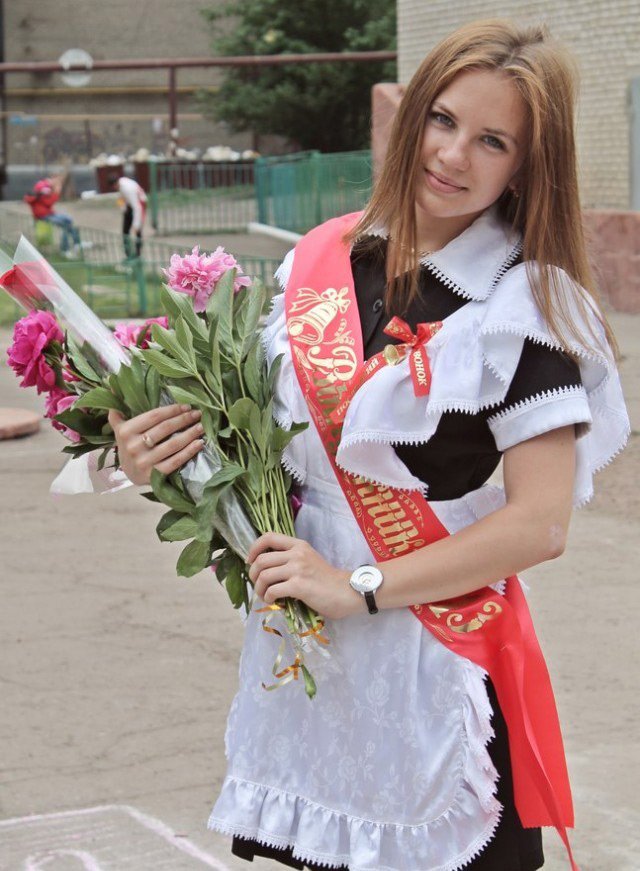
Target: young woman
[410, 756]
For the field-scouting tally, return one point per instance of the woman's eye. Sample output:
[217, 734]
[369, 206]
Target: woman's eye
[441, 118]
[494, 143]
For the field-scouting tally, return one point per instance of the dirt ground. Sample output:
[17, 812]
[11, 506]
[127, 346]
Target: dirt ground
[116, 676]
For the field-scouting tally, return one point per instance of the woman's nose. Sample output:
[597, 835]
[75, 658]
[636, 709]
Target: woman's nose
[455, 153]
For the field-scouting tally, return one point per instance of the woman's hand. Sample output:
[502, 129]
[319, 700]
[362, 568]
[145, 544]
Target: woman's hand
[282, 566]
[163, 438]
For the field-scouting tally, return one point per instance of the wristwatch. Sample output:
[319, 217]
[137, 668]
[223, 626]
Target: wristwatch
[366, 580]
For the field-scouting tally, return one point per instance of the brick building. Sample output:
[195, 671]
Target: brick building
[116, 111]
[604, 37]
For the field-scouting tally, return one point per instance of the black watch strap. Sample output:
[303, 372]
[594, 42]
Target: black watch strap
[370, 599]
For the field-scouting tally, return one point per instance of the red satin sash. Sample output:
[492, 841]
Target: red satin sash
[491, 630]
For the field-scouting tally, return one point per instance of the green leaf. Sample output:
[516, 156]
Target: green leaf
[207, 507]
[193, 395]
[181, 305]
[100, 440]
[220, 306]
[210, 420]
[253, 370]
[170, 302]
[193, 559]
[102, 459]
[152, 386]
[185, 340]
[81, 422]
[79, 361]
[164, 365]
[99, 397]
[131, 381]
[273, 373]
[235, 585]
[229, 472]
[168, 339]
[267, 424]
[175, 526]
[255, 474]
[256, 298]
[78, 449]
[114, 387]
[167, 493]
[150, 495]
[255, 427]
[215, 381]
[240, 412]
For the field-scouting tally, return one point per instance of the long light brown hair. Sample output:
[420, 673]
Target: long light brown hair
[546, 210]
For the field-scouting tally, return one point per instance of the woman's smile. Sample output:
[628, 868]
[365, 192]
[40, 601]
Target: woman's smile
[441, 184]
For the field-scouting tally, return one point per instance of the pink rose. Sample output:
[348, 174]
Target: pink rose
[197, 274]
[129, 334]
[57, 402]
[32, 334]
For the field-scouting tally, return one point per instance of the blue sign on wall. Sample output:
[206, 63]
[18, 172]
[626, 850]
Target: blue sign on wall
[23, 120]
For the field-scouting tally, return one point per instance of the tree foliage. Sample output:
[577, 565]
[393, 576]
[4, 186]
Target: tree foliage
[314, 106]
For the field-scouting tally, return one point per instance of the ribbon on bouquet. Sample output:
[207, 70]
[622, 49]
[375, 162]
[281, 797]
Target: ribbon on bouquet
[492, 630]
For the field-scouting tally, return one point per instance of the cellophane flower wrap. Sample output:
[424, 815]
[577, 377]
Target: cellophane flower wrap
[205, 352]
[62, 349]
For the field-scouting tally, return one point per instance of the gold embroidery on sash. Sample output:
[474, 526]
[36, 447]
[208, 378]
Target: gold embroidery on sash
[396, 528]
[456, 620]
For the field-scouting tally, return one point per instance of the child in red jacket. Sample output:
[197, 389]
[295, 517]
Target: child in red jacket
[41, 202]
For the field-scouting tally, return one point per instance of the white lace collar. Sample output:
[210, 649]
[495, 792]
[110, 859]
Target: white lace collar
[473, 263]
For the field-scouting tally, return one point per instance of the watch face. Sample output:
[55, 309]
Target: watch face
[366, 579]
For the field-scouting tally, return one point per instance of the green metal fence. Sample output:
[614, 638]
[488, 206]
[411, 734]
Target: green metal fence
[302, 190]
[294, 192]
[113, 288]
[201, 197]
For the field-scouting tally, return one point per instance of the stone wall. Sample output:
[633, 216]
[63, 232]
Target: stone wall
[81, 122]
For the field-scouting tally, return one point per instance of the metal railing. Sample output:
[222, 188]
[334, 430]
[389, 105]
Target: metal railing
[293, 192]
[299, 191]
[114, 288]
[201, 197]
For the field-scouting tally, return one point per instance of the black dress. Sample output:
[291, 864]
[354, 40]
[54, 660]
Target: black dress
[460, 457]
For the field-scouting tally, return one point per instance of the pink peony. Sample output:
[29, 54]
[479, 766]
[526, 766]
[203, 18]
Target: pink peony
[32, 334]
[58, 401]
[197, 274]
[128, 334]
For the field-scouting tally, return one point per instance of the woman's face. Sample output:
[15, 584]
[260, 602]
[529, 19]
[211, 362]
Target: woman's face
[474, 143]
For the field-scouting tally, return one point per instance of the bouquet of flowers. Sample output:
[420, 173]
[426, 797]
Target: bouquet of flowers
[204, 352]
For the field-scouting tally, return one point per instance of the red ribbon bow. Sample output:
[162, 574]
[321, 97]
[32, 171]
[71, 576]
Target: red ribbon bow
[418, 358]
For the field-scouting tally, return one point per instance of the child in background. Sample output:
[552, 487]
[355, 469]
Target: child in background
[134, 200]
[41, 201]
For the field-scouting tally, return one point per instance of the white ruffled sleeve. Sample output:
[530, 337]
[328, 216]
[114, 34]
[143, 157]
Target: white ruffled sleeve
[597, 407]
[473, 361]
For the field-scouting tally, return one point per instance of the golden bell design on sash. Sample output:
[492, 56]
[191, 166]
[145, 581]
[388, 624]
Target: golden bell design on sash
[309, 326]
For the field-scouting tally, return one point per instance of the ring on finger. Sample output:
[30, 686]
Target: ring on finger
[149, 442]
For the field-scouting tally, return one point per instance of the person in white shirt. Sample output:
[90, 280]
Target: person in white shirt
[134, 201]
